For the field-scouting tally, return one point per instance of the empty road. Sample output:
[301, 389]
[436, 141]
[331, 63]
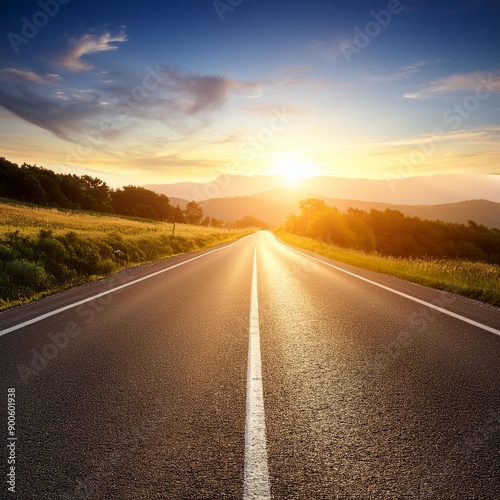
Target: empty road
[251, 370]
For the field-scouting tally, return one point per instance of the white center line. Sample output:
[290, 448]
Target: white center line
[256, 471]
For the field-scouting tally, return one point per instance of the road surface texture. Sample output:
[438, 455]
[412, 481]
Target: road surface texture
[252, 370]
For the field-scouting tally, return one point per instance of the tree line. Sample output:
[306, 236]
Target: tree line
[40, 186]
[391, 233]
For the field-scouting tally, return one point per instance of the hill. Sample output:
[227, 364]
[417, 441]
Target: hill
[275, 205]
[422, 190]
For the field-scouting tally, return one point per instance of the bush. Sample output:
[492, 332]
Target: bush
[5, 253]
[21, 246]
[106, 266]
[26, 274]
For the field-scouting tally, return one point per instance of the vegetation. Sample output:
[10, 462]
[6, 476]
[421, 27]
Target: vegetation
[37, 185]
[458, 258]
[476, 280]
[249, 221]
[391, 233]
[43, 250]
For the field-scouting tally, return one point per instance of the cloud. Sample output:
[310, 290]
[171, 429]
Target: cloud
[197, 93]
[486, 133]
[401, 73]
[21, 76]
[274, 109]
[180, 101]
[469, 82]
[42, 101]
[71, 58]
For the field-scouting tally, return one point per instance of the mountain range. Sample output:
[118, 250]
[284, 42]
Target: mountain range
[421, 190]
[276, 203]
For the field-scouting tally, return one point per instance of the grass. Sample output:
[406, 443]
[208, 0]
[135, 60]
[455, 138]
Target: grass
[45, 250]
[28, 220]
[471, 279]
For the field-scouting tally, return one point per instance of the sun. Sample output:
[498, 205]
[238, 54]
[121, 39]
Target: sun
[293, 170]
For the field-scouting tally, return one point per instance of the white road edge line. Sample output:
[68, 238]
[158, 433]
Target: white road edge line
[406, 296]
[256, 485]
[93, 297]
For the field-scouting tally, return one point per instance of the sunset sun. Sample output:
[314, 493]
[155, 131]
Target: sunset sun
[293, 170]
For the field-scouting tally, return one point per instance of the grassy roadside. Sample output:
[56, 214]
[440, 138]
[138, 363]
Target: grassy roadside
[43, 251]
[470, 279]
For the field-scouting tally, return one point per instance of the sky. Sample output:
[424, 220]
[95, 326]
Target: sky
[142, 92]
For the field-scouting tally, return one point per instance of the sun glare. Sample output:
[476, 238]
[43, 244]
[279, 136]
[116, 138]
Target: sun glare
[293, 170]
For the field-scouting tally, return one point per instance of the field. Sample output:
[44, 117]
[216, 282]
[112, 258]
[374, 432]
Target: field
[471, 279]
[43, 250]
[28, 220]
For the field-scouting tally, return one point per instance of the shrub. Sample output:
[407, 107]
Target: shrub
[21, 246]
[5, 253]
[106, 266]
[26, 274]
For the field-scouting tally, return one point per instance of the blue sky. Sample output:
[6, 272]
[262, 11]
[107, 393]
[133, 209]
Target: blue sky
[164, 91]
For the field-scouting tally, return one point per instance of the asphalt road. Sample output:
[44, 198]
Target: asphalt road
[238, 372]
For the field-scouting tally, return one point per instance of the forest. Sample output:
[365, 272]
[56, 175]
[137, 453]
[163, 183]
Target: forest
[43, 187]
[391, 233]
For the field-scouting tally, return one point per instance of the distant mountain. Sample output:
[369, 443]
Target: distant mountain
[482, 212]
[272, 212]
[223, 186]
[423, 190]
[178, 201]
[274, 206]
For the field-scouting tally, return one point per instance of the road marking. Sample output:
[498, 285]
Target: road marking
[93, 297]
[256, 484]
[397, 292]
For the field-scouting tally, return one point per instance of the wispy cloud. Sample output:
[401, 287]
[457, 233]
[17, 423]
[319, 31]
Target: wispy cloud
[272, 109]
[40, 100]
[201, 92]
[489, 134]
[331, 50]
[457, 83]
[401, 73]
[182, 102]
[20, 76]
[71, 58]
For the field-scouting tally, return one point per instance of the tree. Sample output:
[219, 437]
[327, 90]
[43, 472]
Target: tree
[141, 202]
[96, 193]
[177, 215]
[249, 221]
[216, 222]
[193, 213]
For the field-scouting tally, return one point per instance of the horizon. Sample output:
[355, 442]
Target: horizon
[174, 93]
[438, 188]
